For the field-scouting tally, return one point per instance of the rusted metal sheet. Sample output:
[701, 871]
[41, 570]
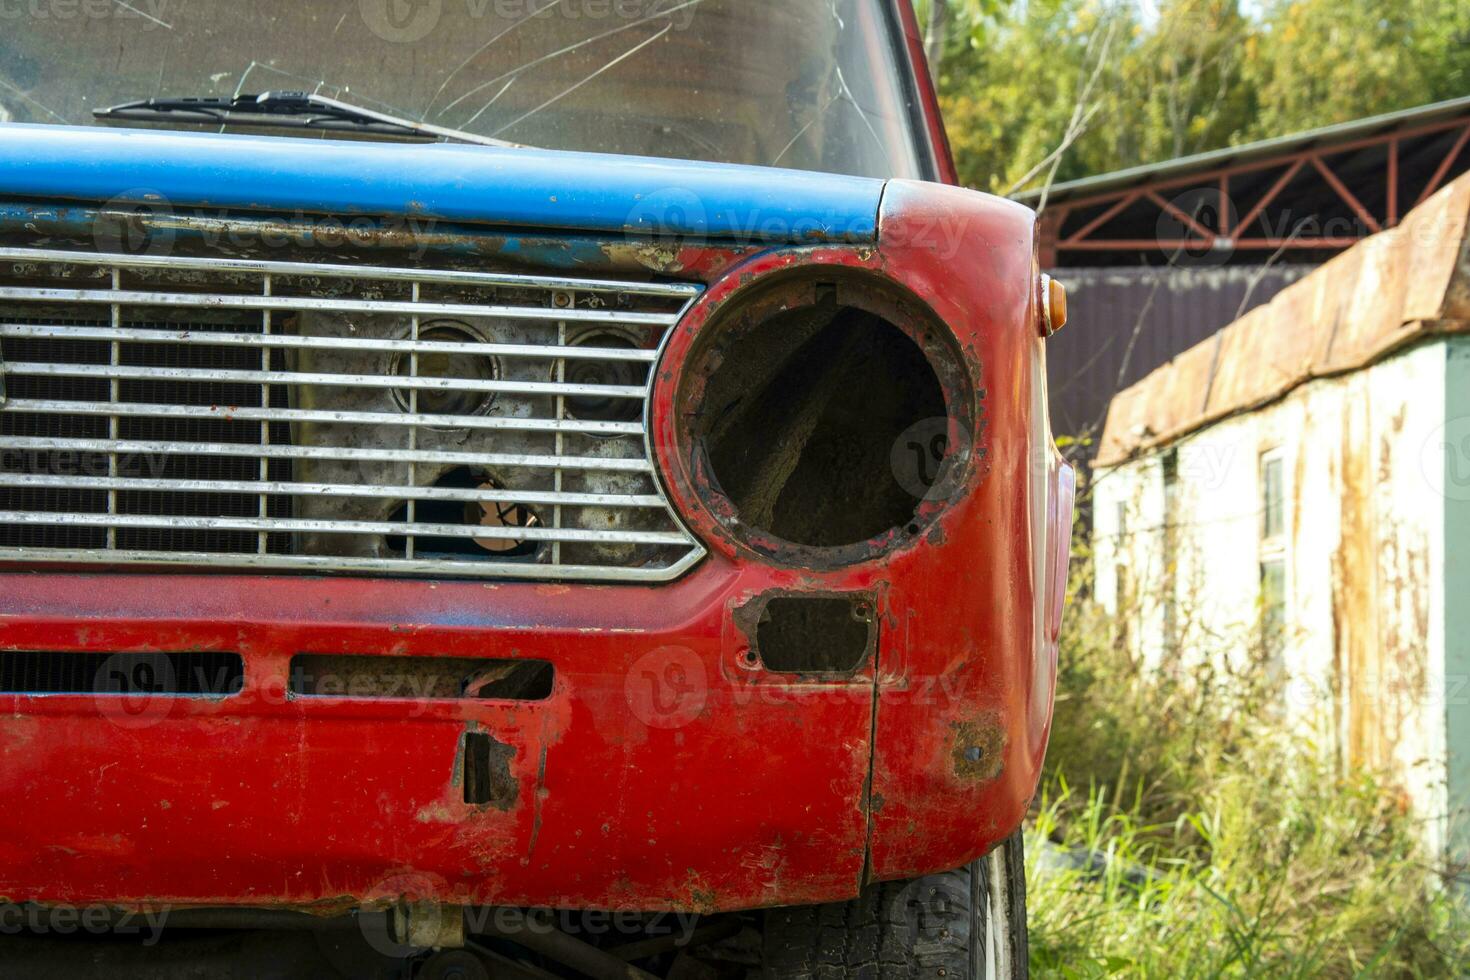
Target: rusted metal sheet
[1389, 290]
[1125, 322]
[306, 237]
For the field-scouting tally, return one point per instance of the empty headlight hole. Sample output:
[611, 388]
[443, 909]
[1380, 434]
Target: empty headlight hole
[807, 396]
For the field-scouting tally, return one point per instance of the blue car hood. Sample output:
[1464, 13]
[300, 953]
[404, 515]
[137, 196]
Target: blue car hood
[525, 188]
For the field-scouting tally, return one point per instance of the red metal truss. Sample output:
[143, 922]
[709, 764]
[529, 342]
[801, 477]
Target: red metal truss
[1194, 231]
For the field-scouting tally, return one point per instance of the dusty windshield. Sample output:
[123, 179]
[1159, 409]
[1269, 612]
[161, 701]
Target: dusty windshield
[809, 84]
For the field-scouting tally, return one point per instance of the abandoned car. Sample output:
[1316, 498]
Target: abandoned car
[471, 466]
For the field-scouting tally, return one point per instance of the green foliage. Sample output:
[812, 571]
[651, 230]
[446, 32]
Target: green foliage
[1018, 75]
[1317, 63]
[1221, 840]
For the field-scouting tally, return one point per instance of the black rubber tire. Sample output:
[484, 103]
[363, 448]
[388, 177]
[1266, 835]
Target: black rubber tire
[968, 924]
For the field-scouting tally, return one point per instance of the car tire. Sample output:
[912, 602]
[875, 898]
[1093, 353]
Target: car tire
[968, 924]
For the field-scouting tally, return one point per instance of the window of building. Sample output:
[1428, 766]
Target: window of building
[1273, 498]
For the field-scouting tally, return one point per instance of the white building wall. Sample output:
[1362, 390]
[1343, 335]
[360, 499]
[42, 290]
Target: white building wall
[1363, 663]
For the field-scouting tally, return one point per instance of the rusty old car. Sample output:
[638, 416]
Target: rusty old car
[475, 470]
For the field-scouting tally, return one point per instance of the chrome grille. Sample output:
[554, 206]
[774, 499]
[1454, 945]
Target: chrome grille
[168, 410]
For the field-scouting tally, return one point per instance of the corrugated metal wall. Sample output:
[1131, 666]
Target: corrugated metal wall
[1127, 321]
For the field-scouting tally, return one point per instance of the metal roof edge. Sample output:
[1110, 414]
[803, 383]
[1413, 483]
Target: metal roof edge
[1178, 165]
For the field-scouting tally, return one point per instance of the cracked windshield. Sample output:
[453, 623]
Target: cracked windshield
[809, 85]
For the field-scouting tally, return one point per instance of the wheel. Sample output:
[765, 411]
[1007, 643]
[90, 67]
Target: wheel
[968, 924]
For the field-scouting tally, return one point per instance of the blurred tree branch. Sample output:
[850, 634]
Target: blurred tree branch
[934, 35]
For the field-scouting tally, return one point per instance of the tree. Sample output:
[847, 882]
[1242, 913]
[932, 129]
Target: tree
[1014, 81]
[1038, 90]
[1188, 72]
[1317, 62]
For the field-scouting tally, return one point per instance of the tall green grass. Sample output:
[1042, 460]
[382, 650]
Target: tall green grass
[1220, 841]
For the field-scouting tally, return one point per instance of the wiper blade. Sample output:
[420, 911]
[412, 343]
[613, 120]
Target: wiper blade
[289, 110]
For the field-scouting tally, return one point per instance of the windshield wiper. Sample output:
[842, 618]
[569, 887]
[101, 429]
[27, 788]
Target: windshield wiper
[288, 110]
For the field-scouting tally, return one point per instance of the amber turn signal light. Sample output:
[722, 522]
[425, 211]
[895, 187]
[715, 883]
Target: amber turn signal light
[1053, 305]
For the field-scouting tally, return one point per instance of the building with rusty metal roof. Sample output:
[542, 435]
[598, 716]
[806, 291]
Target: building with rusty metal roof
[1158, 257]
[1296, 489]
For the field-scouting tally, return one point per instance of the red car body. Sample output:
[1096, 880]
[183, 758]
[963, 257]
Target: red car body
[664, 771]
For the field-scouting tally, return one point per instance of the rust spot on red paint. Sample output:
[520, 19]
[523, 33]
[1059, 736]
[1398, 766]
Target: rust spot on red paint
[978, 752]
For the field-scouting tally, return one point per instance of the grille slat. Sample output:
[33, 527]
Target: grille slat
[274, 415]
[203, 301]
[117, 446]
[277, 340]
[341, 527]
[270, 487]
[171, 263]
[305, 415]
[166, 373]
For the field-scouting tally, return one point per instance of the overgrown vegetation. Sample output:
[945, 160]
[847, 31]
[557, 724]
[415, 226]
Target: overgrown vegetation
[1115, 83]
[1185, 829]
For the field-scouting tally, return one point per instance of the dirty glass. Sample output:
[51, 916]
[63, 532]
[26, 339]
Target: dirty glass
[809, 84]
